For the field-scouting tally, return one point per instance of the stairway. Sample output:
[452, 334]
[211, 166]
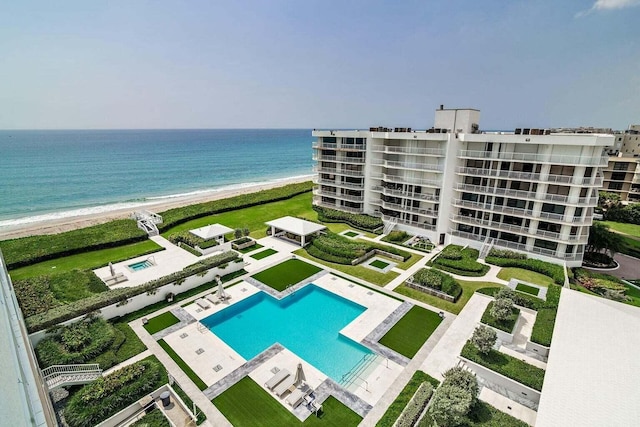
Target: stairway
[486, 247]
[66, 375]
[389, 225]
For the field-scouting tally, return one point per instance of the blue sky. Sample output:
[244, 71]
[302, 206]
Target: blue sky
[317, 64]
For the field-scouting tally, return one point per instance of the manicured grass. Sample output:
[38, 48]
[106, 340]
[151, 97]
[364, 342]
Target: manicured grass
[251, 248]
[264, 254]
[86, 261]
[350, 234]
[160, 322]
[624, 228]
[395, 409]
[509, 273]
[131, 346]
[364, 273]
[527, 289]
[509, 366]
[410, 333]
[379, 264]
[286, 273]
[631, 247]
[468, 288]
[247, 404]
[457, 260]
[504, 325]
[154, 418]
[183, 365]
[408, 263]
[484, 415]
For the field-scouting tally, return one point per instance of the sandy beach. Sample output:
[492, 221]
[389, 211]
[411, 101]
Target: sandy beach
[74, 222]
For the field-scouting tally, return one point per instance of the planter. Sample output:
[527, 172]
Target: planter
[241, 246]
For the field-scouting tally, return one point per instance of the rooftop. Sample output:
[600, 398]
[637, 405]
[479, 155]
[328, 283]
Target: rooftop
[297, 226]
[212, 231]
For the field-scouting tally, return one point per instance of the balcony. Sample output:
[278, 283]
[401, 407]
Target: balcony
[409, 150]
[424, 226]
[422, 167]
[399, 208]
[341, 159]
[335, 171]
[529, 176]
[337, 195]
[516, 246]
[319, 202]
[342, 147]
[408, 181]
[537, 158]
[317, 180]
[525, 213]
[406, 194]
[531, 195]
[512, 228]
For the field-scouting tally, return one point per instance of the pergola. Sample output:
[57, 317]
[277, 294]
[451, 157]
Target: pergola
[295, 229]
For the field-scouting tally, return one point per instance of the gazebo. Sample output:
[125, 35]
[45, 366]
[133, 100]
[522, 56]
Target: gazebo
[295, 229]
[213, 231]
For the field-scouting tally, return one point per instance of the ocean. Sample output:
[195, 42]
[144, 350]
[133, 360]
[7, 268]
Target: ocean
[47, 174]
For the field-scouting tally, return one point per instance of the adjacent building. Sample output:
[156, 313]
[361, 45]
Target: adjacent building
[531, 190]
[619, 176]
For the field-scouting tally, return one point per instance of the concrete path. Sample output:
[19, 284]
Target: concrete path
[127, 362]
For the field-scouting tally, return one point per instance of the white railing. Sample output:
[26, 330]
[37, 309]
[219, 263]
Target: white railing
[407, 222]
[429, 167]
[409, 150]
[539, 158]
[337, 195]
[335, 171]
[520, 194]
[527, 213]
[59, 375]
[405, 194]
[423, 212]
[530, 176]
[341, 159]
[339, 208]
[338, 183]
[409, 181]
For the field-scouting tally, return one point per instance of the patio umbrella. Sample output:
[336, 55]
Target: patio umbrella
[300, 378]
[113, 270]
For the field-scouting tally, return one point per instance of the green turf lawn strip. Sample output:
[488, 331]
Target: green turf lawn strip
[411, 331]
[509, 366]
[160, 322]
[286, 273]
[247, 404]
[527, 289]
[155, 418]
[181, 363]
[506, 325]
[264, 254]
[87, 261]
[350, 234]
[251, 248]
[396, 407]
[379, 264]
[508, 273]
[468, 288]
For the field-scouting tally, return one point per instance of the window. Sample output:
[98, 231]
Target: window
[545, 244]
[551, 208]
[618, 176]
[615, 186]
[618, 166]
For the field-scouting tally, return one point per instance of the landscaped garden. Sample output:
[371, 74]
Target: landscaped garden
[286, 273]
[532, 290]
[411, 331]
[160, 322]
[247, 404]
[506, 258]
[468, 288]
[340, 250]
[509, 273]
[502, 317]
[395, 409]
[351, 234]
[461, 261]
[437, 281]
[155, 418]
[606, 286]
[263, 254]
[379, 264]
[361, 222]
[183, 365]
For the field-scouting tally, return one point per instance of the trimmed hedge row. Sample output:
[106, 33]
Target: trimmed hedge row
[542, 331]
[437, 280]
[416, 405]
[503, 325]
[112, 296]
[108, 395]
[363, 222]
[34, 249]
[395, 409]
[457, 260]
[178, 216]
[556, 272]
[335, 248]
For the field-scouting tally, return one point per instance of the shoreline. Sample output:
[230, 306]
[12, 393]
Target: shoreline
[63, 224]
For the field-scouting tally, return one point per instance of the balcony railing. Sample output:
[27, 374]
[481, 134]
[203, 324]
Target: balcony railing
[526, 213]
[520, 194]
[343, 147]
[408, 181]
[319, 202]
[409, 150]
[517, 246]
[424, 212]
[335, 171]
[341, 159]
[512, 228]
[405, 194]
[338, 183]
[529, 176]
[422, 225]
[337, 195]
[538, 158]
[427, 167]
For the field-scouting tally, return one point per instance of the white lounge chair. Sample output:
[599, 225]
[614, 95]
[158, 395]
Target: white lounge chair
[297, 396]
[277, 379]
[288, 384]
[212, 299]
[202, 303]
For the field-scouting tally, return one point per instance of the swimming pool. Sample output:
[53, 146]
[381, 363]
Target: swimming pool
[306, 322]
[140, 265]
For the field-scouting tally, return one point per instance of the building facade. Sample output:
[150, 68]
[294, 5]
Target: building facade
[619, 175]
[530, 190]
[629, 142]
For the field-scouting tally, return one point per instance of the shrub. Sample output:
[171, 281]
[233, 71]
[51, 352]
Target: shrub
[335, 248]
[396, 236]
[484, 339]
[450, 405]
[505, 253]
[416, 405]
[542, 331]
[556, 272]
[451, 252]
[508, 323]
[602, 284]
[463, 379]
[501, 309]
[457, 260]
[363, 222]
[437, 280]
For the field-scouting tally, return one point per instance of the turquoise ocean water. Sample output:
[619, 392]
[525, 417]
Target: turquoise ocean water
[52, 174]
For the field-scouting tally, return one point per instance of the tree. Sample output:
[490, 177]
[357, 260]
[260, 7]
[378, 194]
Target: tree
[607, 199]
[462, 378]
[501, 309]
[246, 231]
[601, 238]
[238, 233]
[484, 338]
[450, 405]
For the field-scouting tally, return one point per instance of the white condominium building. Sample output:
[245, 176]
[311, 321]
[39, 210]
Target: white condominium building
[529, 190]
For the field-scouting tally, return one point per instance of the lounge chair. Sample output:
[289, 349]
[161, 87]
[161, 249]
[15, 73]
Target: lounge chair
[297, 396]
[288, 384]
[202, 303]
[277, 379]
[212, 299]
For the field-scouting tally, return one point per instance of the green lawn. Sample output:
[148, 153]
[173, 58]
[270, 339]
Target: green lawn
[364, 273]
[395, 409]
[379, 264]
[410, 333]
[468, 288]
[247, 404]
[251, 248]
[408, 263]
[86, 261]
[264, 254]
[183, 365]
[624, 228]
[286, 273]
[160, 322]
[350, 234]
[508, 273]
[532, 290]
[631, 247]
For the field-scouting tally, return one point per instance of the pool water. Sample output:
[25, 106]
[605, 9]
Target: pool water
[306, 322]
[141, 265]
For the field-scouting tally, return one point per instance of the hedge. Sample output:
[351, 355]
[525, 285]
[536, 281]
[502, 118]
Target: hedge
[177, 216]
[395, 409]
[416, 405]
[556, 272]
[335, 248]
[112, 296]
[437, 280]
[34, 249]
[363, 222]
[509, 366]
[99, 400]
[503, 325]
[457, 260]
[542, 331]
